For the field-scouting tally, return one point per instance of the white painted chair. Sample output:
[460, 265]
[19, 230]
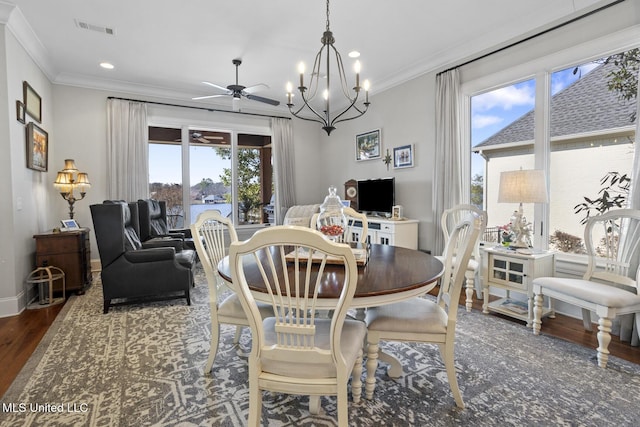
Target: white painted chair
[216, 232]
[610, 285]
[298, 352]
[351, 232]
[423, 320]
[449, 219]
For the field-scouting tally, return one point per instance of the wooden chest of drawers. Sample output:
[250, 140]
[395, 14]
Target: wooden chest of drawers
[69, 251]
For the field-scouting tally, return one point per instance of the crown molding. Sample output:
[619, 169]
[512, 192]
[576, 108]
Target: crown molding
[12, 16]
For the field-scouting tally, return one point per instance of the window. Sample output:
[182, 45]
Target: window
[589, 148]
[592, 131]
[501, 140]
[239, 185]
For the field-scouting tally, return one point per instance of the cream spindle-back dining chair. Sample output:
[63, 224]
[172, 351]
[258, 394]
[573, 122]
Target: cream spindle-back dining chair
[424, 320]
[212, 235]
[352, 233]
[610, 285]
[294, 351]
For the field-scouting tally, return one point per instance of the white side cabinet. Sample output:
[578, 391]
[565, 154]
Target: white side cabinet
[514, 272]
[403, 233]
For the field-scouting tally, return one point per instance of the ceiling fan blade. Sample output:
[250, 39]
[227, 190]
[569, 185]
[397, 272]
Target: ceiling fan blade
[256, 88]
[217, 86]
[208, 96]
[262, 99]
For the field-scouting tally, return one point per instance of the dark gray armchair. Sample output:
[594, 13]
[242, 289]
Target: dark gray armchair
[153, 224]
[131, 273]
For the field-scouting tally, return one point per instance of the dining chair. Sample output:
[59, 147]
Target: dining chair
[294, 351]
[213, 234]
[609, 287]
[452, 216]
[353, 232]
[423, 320]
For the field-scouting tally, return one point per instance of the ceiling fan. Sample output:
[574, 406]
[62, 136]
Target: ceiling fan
[199, 137]
[237, 91]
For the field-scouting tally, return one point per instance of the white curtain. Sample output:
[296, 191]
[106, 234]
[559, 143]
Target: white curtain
[283, 160]
[451, 184]
[127, 150]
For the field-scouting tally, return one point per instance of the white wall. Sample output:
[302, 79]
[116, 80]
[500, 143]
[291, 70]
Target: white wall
[405, 115]
[26, 201]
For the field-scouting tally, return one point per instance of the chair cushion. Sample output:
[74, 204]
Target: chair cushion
[473, 265]
[351, 340]
[416, 315]
[594, 292]
[231, 308]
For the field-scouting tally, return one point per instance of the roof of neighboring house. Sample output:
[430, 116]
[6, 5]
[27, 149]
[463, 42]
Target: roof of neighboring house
[585, 106]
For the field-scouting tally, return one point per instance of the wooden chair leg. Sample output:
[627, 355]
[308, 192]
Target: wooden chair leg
[538, 300]
[604, 338]
[372, 365]
[236, 336]
[213, 348]
[470, 278]
[356, 379]
[449, 364]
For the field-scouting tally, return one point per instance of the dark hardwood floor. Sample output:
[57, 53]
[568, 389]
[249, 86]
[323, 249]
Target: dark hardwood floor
[20, 335]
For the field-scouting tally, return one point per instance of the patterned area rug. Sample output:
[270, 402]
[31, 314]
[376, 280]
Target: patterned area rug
[143, 366]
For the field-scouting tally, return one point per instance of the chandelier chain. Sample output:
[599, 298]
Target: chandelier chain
[328, 15]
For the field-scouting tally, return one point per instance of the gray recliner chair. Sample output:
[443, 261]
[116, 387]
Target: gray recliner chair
[131, 273]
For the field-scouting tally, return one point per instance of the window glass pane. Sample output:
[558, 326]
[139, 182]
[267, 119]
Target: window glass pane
[165, 172]
[209, 167]
[255, 179]
[592, 144]
[501, 140]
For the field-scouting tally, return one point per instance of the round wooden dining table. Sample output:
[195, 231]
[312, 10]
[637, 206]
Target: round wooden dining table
[392, 274]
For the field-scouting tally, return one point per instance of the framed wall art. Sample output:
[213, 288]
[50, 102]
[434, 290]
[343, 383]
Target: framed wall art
[368, 145]
[20, 111]
[403, 156]
[32, 102]
[37, 148]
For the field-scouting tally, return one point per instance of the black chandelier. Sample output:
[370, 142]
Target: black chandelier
[308, 94]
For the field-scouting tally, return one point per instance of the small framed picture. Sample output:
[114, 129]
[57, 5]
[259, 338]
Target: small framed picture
[396, 212]
[37, 148]
[32, 102]
[69, 224]
[20, 111]
[368, 145]
[403, 157]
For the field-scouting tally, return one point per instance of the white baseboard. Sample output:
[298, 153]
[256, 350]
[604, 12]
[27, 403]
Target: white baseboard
[12, 306]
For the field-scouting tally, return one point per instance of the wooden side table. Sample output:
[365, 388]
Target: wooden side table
[514, 272]
[70, 251]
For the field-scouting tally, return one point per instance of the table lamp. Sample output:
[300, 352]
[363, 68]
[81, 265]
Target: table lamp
[69, 179]
[522, 186]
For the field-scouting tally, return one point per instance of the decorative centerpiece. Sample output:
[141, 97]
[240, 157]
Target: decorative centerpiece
[331, 220]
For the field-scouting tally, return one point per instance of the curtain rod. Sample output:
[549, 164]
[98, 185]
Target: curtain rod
[533, 36]
[213, 110]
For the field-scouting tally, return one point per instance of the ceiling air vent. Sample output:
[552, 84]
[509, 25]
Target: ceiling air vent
[93, 27]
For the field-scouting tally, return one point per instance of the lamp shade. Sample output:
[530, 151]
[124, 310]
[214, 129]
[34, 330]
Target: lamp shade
[63, 182]
[82, 182]
[70, 166]
[523, 186]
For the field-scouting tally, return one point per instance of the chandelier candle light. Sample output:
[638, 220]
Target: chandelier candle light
[522, 186]
[69, 179]
[308, 94]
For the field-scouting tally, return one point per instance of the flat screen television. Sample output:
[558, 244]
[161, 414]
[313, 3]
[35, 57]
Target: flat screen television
[376, 196]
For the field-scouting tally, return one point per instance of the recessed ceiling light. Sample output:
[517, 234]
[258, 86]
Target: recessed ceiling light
[107, 65]
[354, 54]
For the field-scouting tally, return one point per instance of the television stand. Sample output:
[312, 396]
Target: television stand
[387, 231]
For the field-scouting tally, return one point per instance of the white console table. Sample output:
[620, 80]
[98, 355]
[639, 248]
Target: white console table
[403, 233]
